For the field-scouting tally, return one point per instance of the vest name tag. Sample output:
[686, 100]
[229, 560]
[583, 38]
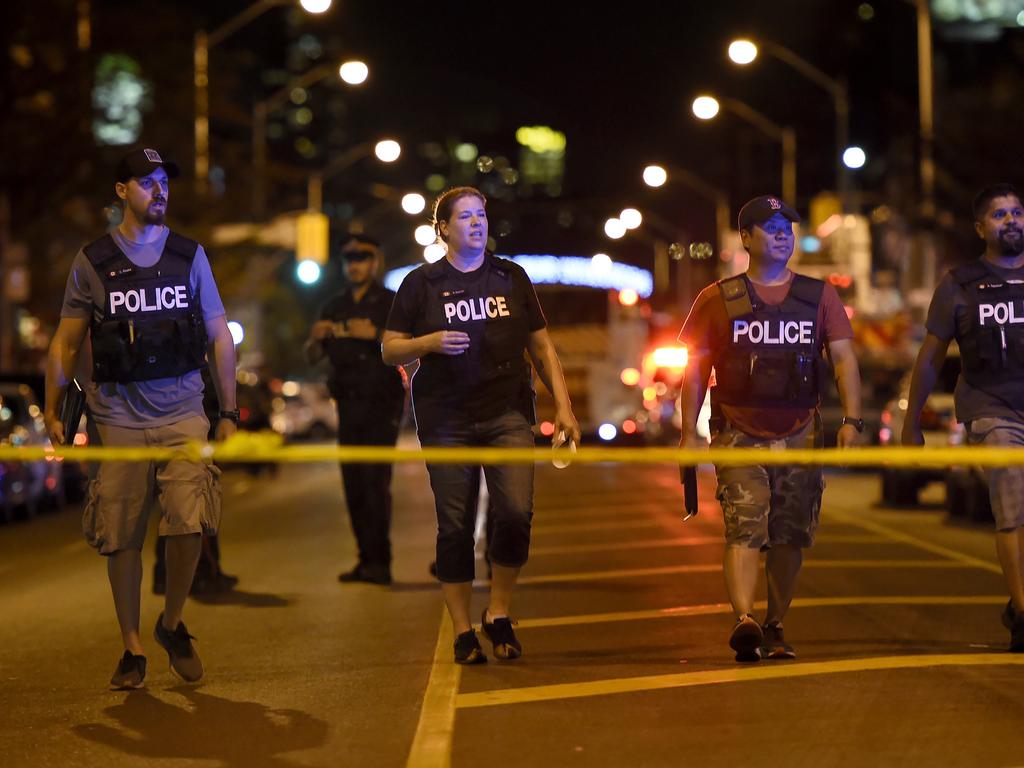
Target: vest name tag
[1003, 313]
[777, 332]
[476, 309]
[155, 300]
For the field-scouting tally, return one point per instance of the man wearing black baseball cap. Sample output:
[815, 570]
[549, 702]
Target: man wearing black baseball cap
[148, 300]
[764, 332]
[369, 396]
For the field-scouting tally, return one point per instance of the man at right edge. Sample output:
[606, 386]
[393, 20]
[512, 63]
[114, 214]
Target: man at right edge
[981, 305]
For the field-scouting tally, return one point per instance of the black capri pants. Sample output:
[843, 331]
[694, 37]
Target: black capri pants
[455, 493]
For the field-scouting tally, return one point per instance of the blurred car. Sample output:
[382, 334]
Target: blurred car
[901, 485]
[26, 486]
[303, 411]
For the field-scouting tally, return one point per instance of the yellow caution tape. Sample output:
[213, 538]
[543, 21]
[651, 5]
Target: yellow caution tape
[269, 447]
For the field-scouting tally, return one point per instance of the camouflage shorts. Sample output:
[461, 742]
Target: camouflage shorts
[1005, 484]
[767, 505]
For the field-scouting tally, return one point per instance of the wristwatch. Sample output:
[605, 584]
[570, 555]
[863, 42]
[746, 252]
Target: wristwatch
[857, 424]
[234, 415]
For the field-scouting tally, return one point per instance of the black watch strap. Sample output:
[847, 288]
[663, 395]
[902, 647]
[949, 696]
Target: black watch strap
[234, 415]
[858, 424]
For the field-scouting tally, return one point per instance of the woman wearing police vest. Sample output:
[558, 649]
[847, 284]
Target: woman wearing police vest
[469, 318]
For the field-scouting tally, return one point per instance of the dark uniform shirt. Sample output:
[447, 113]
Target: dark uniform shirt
[357, 370]
[498, 307]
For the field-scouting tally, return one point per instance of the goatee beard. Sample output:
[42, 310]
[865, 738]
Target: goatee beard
[153, 218]
[1008, 247]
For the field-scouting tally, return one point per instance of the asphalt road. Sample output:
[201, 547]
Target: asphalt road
[621, 613]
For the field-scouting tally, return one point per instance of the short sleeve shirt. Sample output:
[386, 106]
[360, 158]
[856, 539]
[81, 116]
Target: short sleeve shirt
[708, 321]
[141, 404]
[949, 303]
[453, 389]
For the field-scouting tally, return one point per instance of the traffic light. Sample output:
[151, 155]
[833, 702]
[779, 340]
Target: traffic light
[311, 242]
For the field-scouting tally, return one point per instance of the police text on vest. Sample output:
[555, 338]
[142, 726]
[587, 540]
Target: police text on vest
[778, 332]
[476, 309]
[1004, 313]
[138, 300]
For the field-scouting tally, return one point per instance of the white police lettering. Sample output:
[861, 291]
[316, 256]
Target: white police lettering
[149, 300]
[778, 332]
[1003, 313]
[476, 309]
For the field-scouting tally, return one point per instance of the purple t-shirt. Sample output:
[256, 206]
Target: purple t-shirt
[141, 404]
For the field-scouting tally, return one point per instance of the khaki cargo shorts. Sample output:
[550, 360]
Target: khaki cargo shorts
[767, 505]
[1005, 484]
[121, 492]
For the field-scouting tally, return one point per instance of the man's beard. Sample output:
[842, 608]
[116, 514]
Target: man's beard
[1011, 246]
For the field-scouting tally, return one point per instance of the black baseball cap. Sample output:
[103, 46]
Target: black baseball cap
[143, 162]
[760, 209]
[359, 247]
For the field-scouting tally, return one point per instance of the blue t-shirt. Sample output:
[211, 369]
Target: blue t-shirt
[141, 404]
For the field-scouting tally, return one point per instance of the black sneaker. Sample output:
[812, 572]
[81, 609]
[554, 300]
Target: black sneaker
[1009, 615]
[1017, 635]
[746, 639]
[367, 575]
[130, 672]
[178, 644]
[774, 645]
[468, 650]
[502, 637]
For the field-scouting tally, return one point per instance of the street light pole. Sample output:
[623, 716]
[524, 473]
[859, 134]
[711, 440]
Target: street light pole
[925, 95]
[260, 111]
[202, 44]
[785, 135]
[837, 89]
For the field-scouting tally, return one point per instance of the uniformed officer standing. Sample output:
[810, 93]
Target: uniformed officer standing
[369, 395]
[147, 297]
[981, 305]
[763, 333]
[470, 319]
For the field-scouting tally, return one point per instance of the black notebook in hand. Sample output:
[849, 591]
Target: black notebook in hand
[71, 408]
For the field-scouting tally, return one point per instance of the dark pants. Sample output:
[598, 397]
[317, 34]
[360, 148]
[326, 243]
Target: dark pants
[455, 495]
[368, 486]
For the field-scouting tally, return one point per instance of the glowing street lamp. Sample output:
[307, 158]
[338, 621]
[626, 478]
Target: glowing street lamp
[388, 150]
[435, 252]
[601, 262]
[655, 176]
[742, 51]
[631, 217]
[425, 234]
[854, 158]
[705, 107]
[614, 228]
[354, 72]
[413, 203]
[315, 6]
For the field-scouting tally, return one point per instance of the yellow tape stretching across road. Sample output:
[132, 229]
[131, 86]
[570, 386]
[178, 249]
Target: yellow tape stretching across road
[269, 447]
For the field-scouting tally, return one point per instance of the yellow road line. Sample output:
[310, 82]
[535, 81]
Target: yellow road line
[625, 573]
[906, 538]
[691, 541]
[615, 546]
[540, 527]
[709, 609]
[432, 744]
[731, 675]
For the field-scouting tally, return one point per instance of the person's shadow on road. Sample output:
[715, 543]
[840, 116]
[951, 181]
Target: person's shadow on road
[236, 733]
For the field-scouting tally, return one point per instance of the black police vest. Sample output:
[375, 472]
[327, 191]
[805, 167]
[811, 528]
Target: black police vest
[151, 326]
[357, 370]
[770, 358]
[991, 331]
[451, 305]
